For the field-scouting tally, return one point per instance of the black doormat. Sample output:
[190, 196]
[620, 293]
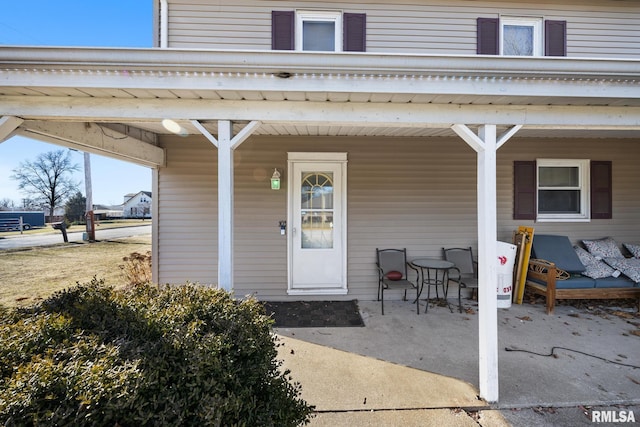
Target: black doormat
[310, 314]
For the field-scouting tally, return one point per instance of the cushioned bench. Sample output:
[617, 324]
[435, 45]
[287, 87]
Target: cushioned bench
[554, 254]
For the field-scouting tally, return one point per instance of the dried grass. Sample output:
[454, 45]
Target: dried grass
[27, 276]
[137, 268]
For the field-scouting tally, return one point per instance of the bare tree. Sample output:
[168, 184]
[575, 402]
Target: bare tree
[7, 204]
[49, 177]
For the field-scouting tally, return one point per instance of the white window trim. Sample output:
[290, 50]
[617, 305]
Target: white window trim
[534, 22]
[319, 15]
[584, 185]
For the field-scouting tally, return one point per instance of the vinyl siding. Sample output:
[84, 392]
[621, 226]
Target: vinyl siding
[413, 193]
[603, 28]
[187, 213]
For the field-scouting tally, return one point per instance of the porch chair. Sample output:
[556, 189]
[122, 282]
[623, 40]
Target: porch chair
[392, 274]
[465, 272]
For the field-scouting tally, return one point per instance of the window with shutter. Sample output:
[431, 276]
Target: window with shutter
[521, 36]
[560, 190]
[317, 30]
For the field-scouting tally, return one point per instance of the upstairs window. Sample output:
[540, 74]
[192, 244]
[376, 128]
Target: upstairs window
[317, 30]
[521, 36]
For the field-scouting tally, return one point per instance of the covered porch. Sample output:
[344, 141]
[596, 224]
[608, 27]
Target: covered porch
[197, 118]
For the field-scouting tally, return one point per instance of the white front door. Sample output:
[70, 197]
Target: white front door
[317, 218]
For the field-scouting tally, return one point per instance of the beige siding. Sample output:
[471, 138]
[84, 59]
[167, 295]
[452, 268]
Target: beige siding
[413, 193]
[187, 213]
[595, 28]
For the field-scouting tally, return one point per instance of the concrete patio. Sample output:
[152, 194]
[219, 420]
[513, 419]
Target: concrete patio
[423, 370]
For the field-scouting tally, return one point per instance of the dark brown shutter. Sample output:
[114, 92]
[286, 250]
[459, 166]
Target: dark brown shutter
[488, 36]
[555, 38]
[282, 30]
[524, 190]
[354, 32]
[601, 190]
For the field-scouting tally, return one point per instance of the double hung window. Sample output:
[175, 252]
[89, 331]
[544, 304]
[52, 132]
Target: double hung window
[563, 189]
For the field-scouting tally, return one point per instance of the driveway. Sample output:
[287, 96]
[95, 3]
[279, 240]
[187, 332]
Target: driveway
[23, 241]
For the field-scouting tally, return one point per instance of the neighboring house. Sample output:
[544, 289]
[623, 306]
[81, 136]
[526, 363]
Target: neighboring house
[416, 124]
[137, 205]
[58, 214]
[101, 212]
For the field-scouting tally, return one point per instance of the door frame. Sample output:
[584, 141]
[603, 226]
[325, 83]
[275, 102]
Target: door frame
[341, 238]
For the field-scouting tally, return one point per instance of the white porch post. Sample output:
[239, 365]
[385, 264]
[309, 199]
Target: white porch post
[225, 205]
[226, 144]
[485, 145]
[487, 265]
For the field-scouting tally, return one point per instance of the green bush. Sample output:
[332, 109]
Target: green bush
[187, 355]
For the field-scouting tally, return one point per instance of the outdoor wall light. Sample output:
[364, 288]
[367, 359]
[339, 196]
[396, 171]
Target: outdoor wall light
[275, 180]
[174, 127]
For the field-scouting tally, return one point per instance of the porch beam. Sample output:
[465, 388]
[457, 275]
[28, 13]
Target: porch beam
[315, 113]
[469, 137]
[245, 133]
[507, 135]
[204, 131]
[8, 124]
[485, 144]
[95, 138]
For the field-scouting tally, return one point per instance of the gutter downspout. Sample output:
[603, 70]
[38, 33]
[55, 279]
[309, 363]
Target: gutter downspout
[164, 24]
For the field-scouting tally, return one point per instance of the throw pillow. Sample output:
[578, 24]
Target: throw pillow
[595, 268]
[633, 249]
[603, 248]
[630, 267]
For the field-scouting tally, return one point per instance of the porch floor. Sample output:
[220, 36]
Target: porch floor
[417, 370]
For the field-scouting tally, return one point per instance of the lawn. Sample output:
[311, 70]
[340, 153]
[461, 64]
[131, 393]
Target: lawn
[27, 276]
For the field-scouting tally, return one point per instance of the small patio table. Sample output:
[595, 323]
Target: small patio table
[433, 272]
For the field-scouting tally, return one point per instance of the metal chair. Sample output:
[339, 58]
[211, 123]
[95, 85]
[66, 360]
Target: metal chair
[465, 272]
[392, 274]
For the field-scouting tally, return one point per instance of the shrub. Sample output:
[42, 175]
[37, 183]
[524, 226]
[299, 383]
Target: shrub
[187, 355]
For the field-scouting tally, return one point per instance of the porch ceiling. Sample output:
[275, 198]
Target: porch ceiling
[34, 80]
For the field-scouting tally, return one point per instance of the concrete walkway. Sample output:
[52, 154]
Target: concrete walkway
[352, 390]
[404, 369]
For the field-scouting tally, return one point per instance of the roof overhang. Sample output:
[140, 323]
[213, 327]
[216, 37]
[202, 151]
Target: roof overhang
[301, 93]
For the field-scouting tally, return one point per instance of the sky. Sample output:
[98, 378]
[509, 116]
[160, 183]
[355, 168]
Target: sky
[106, 23]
